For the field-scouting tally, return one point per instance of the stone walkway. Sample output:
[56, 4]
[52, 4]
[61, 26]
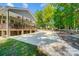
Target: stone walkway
[76, 36]
[48, 42]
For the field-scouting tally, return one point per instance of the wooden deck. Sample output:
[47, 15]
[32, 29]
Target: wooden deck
[12, 32]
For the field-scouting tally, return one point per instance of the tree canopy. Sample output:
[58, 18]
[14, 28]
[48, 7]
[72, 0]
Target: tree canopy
[59, 15]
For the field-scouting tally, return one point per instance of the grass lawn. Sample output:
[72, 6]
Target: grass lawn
[16, 48]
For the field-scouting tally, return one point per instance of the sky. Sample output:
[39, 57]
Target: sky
[32, 7]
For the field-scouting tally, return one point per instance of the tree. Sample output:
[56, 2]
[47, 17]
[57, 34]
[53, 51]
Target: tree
[44, 18]
[61, 16]
[48, 14]
[39, 19]
[65, 16]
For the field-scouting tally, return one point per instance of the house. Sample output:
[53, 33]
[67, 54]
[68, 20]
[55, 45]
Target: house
[16, 21]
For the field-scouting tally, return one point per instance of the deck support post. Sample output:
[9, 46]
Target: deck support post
[22, 32]
[7, 24]
[2, 24]
[30, 30]
[22, 26]
[2, 33]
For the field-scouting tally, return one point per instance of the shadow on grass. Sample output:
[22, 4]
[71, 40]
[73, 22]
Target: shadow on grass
[16, 48]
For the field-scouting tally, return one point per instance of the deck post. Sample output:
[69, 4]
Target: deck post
[2, 33]
[7, 24]
[2, 24]
[22, 26]
[30, 30]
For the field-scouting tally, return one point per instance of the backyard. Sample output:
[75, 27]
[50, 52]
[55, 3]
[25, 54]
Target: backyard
[56, 33]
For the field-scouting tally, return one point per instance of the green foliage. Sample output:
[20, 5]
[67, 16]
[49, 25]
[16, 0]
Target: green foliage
[48, 13]
[45, 16]
[66, 13]
[39, 19]
[61, 16]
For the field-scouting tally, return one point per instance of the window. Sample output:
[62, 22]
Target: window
[4, 17]
[4, 21]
